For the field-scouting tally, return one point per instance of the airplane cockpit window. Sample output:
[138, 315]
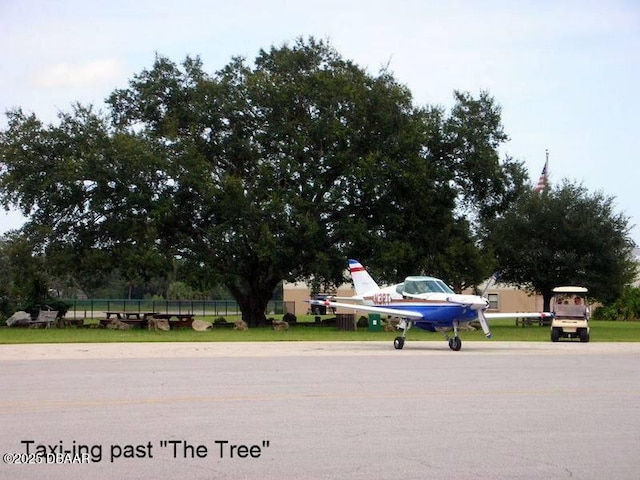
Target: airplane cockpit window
[427, 285]
[445, 288]
[400, 288]
[411, 288]
[435, 287]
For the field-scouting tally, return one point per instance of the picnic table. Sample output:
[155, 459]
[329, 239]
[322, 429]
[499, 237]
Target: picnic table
[120, 315]
[176, 319]
[527, 322]
[142, 318]
[132, 318]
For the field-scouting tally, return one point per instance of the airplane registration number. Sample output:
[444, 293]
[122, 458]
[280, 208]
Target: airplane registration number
[382, 298]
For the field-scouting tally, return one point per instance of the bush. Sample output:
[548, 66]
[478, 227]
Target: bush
[7, 308]
[626, 307]
[51, 304]
[290, 318]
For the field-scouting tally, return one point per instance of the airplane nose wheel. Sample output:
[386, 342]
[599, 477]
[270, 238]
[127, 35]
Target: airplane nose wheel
[455, 344]
[398, 343]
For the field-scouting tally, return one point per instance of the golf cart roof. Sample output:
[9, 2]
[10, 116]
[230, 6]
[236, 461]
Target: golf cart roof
[569, 289]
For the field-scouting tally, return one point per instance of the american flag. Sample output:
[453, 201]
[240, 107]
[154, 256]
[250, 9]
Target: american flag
[543, 180]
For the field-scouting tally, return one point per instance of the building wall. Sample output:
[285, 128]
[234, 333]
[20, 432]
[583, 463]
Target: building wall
[511, 299]
[299, 293]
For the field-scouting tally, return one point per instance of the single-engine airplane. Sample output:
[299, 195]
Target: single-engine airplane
[421, 301]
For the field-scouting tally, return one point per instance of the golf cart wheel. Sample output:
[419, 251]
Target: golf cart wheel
[555, 334]
[584, 336]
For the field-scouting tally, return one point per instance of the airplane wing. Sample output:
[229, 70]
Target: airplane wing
[396, 312]
[349, 299]
[519, 315]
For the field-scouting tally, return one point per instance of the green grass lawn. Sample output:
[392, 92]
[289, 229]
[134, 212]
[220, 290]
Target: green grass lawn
[503, 330]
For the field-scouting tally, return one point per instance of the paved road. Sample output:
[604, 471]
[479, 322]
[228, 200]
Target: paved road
[352, 410]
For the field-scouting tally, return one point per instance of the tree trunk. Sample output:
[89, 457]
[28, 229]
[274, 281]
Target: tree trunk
[253, 299]
[253, 310]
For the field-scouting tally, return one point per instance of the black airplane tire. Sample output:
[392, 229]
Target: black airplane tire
[455, 344]
[398, 343]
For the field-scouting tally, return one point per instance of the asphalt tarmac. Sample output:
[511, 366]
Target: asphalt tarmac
[320, 410]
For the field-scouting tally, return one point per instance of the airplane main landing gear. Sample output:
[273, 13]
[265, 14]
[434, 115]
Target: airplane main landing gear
[404, 325]
[455, 343]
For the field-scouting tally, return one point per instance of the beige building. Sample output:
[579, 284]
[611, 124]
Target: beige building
[299, 294]
[506, 298]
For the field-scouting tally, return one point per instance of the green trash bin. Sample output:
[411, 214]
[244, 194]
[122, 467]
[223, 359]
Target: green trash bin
[375, 324]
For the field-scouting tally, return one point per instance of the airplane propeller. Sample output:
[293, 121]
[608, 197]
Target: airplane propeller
[481, 317]
[490, 283]
[484, 324]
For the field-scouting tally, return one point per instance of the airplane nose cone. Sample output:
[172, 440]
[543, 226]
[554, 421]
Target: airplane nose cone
[480, 303]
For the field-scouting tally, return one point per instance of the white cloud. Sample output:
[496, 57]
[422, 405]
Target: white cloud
[68, 75]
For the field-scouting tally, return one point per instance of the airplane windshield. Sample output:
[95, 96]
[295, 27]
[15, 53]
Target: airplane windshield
[445, 288]
[417, 287]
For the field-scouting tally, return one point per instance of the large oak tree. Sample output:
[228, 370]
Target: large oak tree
[263, 171]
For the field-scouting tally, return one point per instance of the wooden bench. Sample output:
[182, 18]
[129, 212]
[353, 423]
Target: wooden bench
[45, 319]
[70, 322]
[527, 322]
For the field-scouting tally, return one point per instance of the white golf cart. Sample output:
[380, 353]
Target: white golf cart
[571, 314]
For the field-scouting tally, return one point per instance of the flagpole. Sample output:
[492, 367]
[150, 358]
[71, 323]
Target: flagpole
[546, 167]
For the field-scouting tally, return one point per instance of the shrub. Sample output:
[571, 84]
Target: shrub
[290, 318]
[626, 307]
[51, 304]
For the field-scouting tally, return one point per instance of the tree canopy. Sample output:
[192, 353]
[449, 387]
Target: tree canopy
[273, 170]
[564, 236]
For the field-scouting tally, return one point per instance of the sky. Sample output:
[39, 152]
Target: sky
[565, 73]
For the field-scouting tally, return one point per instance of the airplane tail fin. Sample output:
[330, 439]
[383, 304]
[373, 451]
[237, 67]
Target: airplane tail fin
[362, 281]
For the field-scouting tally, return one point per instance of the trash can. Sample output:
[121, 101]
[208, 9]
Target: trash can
[346, 322]
[375, 324]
